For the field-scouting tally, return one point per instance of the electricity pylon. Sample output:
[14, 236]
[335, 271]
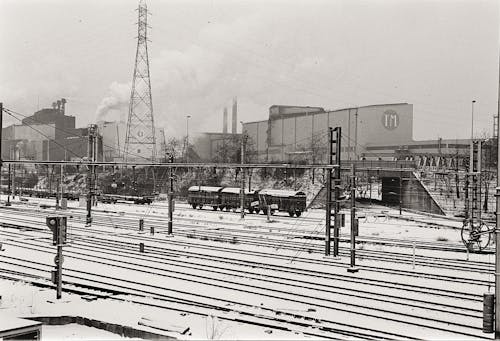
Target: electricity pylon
[140, 141]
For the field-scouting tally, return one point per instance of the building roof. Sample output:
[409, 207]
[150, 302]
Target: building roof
[210, 189]
[322, 112]
[280, 192]
[235, 190]
[8, 323]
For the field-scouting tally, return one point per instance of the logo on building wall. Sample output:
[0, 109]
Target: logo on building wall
[390, 119]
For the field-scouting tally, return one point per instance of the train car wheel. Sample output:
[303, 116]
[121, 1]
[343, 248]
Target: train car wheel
[298, 213]
[193, 206]
[214, 208]
[250, 210]
[290, 213]
[200, 206]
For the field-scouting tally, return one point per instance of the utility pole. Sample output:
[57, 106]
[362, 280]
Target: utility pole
[8, 186]
[337, 179]
[328, 203]
[62, 182]
[1, 137]
[242, 174]
[333, 190]
[400, 188]
[58, 184]
[170, 196]
[497, 229]
[92, 132]
[354, 221]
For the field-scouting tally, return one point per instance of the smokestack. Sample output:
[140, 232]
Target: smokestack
[63, 103]
[224, 121]
[58, 105]
[54, 105]
[234, 116]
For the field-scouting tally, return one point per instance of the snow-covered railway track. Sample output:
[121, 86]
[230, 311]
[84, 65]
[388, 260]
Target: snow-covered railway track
[301, 247]
[295, 231]
[131, 246]
[267, 318]
[415, 319]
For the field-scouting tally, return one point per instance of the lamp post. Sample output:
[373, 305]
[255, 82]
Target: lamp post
[471, 161]
[242, 173]
[187, 138]
[497, 229]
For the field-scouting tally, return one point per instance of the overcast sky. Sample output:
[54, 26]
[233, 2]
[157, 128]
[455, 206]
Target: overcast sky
[437, 55]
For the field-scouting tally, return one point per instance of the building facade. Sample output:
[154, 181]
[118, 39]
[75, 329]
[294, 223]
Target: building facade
[302, 132]
[48, 134]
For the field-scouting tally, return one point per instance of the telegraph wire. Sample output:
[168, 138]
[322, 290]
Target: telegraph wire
[10, 112]
[41, 133]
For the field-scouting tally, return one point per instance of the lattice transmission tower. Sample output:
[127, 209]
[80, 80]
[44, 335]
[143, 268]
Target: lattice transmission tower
[140, 141]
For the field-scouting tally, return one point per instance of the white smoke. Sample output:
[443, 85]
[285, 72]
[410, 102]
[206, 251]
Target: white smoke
[115, 105]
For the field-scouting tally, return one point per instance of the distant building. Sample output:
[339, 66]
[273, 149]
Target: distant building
[384, 131]
[48, 134]
[113, 140]
[206, 146]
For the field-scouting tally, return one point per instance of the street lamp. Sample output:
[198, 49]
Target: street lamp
[471, 157]
[187, 138]
[242, 173]
[472, 122]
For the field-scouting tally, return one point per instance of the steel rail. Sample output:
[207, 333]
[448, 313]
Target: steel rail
[274, 294]
[271, 255]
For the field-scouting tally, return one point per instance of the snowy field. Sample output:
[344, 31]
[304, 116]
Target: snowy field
[221, 277]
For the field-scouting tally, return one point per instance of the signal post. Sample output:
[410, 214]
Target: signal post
[58, 226]
[170, 196]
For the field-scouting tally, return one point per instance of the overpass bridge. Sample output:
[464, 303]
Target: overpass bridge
[399, 183]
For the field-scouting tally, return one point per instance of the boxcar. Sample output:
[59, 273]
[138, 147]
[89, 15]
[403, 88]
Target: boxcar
[204, 195]
[293, 202]
[230, 199]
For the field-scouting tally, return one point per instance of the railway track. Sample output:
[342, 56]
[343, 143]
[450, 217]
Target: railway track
[280, 282]
[249, 236]
[264, 291]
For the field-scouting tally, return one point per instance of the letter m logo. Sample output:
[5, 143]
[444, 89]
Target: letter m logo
[390, 119]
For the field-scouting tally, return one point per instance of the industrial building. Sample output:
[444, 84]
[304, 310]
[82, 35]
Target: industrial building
[207, 146]
[379, 132]
[114, 137]
[48, 134]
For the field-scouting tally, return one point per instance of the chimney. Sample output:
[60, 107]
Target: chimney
[54, 105]
[224, 121]
[234, 116]
[58, 105]
[63, 103]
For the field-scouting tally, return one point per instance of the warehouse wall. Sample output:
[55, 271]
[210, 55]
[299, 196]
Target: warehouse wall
[298, 132]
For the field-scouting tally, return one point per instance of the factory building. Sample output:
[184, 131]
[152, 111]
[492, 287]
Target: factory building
[377, 132]
[48, 134]
[209, 146]
[113, 141]
[301, 132]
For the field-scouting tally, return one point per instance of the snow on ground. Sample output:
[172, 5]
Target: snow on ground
[172, 279]
[76, 332]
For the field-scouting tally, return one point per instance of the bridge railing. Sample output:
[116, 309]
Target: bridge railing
[385, 164]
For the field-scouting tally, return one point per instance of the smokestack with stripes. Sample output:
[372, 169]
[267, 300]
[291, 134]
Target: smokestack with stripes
[234, 115]
[224, 121]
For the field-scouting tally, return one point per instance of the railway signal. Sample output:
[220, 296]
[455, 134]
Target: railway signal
[58, 226]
